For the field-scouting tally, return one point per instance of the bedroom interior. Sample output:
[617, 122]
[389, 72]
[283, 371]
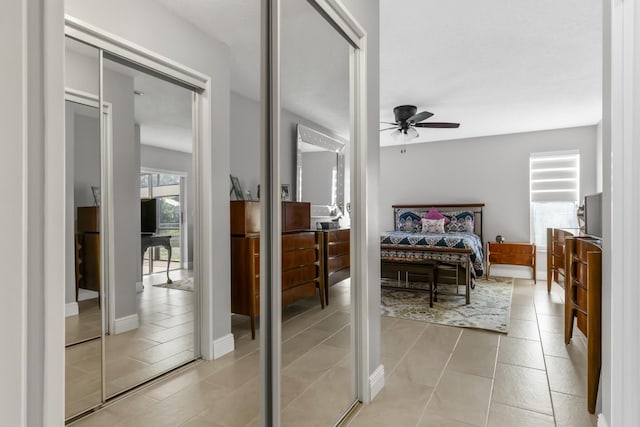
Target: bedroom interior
[497, 180]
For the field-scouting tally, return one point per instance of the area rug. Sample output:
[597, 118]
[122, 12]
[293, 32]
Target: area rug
[489, 307]
[182, 285]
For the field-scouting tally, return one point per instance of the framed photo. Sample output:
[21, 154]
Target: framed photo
[236, 188]
[96, 195]
[284, 192]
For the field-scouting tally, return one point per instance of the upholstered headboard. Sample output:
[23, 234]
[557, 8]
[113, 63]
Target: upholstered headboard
[416, 212]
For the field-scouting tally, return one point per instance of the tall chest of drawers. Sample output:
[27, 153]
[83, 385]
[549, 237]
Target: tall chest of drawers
[302, 257]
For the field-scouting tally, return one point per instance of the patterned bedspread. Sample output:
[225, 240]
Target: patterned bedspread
[405, 241]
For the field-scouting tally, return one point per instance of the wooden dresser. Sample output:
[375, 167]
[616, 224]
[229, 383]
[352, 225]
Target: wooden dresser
[337, 257]
[88, 248]
[555, 255]
[302, 257]
[513, 254]
[583, 299]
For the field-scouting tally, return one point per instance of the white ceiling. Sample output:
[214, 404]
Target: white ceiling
[495, 66]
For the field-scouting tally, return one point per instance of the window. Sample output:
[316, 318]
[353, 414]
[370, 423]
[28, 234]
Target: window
[554, 182]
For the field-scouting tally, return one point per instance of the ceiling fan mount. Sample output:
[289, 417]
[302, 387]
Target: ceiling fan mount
[408, 119]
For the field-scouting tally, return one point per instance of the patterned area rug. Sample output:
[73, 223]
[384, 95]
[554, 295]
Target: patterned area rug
[489, 308]
[182, 285]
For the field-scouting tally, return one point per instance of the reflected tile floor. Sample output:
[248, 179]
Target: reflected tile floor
[163, 340]
[435, 375]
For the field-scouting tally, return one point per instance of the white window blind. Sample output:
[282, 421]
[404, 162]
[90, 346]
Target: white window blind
[554, 177]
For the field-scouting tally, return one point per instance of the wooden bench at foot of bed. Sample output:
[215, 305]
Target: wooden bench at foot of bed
[428, 265]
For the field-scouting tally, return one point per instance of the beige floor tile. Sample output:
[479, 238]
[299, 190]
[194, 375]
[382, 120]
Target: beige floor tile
[237, 374]
[475, 353]
[315, 363]
[400, 403]
[522, 387]
[237, 408]
[527, 329]
[521, 352]
[430, 420]
[422, 366]
[571, 411]
[441, 337]
[326, 398]
[566, 377]
[462, 397]
[553, 345]
[553, 324]
[503, 416]
[302, 343]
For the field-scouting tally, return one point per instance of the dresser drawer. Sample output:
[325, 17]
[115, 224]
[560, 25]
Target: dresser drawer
[298, 241]
[338, 248]
[338, 235]
[296, 276]
[293, 259]
[338, 263]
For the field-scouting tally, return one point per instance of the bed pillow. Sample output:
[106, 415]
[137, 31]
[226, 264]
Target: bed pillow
[460, 222]
[408, 221]
[432, 225]
[435, 214]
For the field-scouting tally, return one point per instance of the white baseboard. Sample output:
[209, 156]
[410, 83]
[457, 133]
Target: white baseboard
[222, 346]
[71, 309]
[514, 271]
[139, 287]
[376, 382]
[125, 324]
[602, 421]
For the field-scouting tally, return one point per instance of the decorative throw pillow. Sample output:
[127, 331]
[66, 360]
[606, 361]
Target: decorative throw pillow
[433, 225]
[435, 214]
[460, 222]
[408, 221]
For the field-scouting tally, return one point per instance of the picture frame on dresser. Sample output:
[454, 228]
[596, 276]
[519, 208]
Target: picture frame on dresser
[236, 188]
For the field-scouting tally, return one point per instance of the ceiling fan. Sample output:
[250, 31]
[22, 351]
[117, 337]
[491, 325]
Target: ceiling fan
[408, 119]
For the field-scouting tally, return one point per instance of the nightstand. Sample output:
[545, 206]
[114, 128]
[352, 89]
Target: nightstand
[513, 254]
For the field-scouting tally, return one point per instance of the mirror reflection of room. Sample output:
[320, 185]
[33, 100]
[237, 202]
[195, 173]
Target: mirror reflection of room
[83, 311]
[152, 297]
[315, 126]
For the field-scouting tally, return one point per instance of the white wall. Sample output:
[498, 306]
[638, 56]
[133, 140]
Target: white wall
[118, 90]
[153, 27]
[86, 167]
[245, 143]
[492, 170]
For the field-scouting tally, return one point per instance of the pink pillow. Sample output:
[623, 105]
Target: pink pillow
[435, 214]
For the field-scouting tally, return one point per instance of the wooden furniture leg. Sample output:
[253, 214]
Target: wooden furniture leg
[549, 259]
[168, 263]
[570, 311]
[594, 328]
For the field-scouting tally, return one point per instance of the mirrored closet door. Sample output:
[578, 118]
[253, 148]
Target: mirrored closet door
[131, 299]
[318, 358]
[83, 154]
[151, 299]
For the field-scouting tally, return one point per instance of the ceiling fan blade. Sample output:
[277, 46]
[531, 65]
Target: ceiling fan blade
[423, 115]
[388, 123]
[437, 125]
[395, 127]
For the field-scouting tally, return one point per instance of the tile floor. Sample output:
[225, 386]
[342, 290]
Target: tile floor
[435, 375]
[452, 377]
[163, 340]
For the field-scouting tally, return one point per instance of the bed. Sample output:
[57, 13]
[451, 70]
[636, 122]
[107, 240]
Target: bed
[451, 256]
